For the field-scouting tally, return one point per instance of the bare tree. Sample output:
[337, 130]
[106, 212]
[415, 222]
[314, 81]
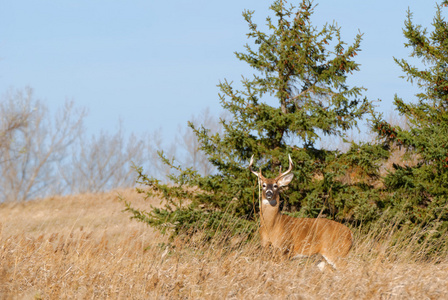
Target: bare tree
[12, 118]
[187, 140]
[28, 158]
[103, 162]
[155, 146]
[184, 148]
[43, 154]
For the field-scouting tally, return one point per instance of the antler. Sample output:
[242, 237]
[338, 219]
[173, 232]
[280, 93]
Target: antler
[252, 170]
[279, 176]
[287, 171]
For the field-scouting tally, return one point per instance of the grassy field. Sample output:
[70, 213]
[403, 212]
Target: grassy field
[84, 246]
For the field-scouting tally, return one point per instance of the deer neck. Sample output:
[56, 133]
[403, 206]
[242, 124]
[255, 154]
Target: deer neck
[270, 212]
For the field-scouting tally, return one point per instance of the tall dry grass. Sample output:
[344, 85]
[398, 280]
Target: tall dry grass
[84, 247]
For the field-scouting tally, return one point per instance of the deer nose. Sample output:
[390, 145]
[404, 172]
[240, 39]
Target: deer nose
[269, 194]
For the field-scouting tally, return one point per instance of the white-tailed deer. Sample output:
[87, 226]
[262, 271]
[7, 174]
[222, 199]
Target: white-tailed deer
[298, 237]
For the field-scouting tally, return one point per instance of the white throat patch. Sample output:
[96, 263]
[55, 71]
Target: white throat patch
[271, 202]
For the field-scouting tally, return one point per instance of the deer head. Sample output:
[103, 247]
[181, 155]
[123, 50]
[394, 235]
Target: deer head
[271, 186]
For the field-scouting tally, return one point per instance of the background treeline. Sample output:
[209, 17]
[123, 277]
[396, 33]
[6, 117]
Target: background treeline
[45, 153]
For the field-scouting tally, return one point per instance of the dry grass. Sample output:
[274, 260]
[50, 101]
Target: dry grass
[84, 247]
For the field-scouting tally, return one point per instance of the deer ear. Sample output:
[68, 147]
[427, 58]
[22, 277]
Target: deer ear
[285, 180]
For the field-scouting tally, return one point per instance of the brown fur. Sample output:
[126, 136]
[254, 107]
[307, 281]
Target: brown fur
[299, 236]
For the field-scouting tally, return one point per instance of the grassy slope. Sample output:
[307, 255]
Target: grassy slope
[83, 246]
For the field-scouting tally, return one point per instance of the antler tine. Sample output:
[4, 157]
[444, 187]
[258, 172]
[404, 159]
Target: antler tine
[289, 169]
[250, 166]
[251, 162]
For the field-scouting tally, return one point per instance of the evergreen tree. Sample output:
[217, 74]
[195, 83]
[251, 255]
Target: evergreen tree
[421, 190]
[303, 70]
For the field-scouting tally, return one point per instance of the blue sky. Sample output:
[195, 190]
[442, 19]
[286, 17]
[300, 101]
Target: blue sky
[154, 64]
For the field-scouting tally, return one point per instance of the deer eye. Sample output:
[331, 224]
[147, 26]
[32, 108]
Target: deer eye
[275, 186]
[264, 185]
